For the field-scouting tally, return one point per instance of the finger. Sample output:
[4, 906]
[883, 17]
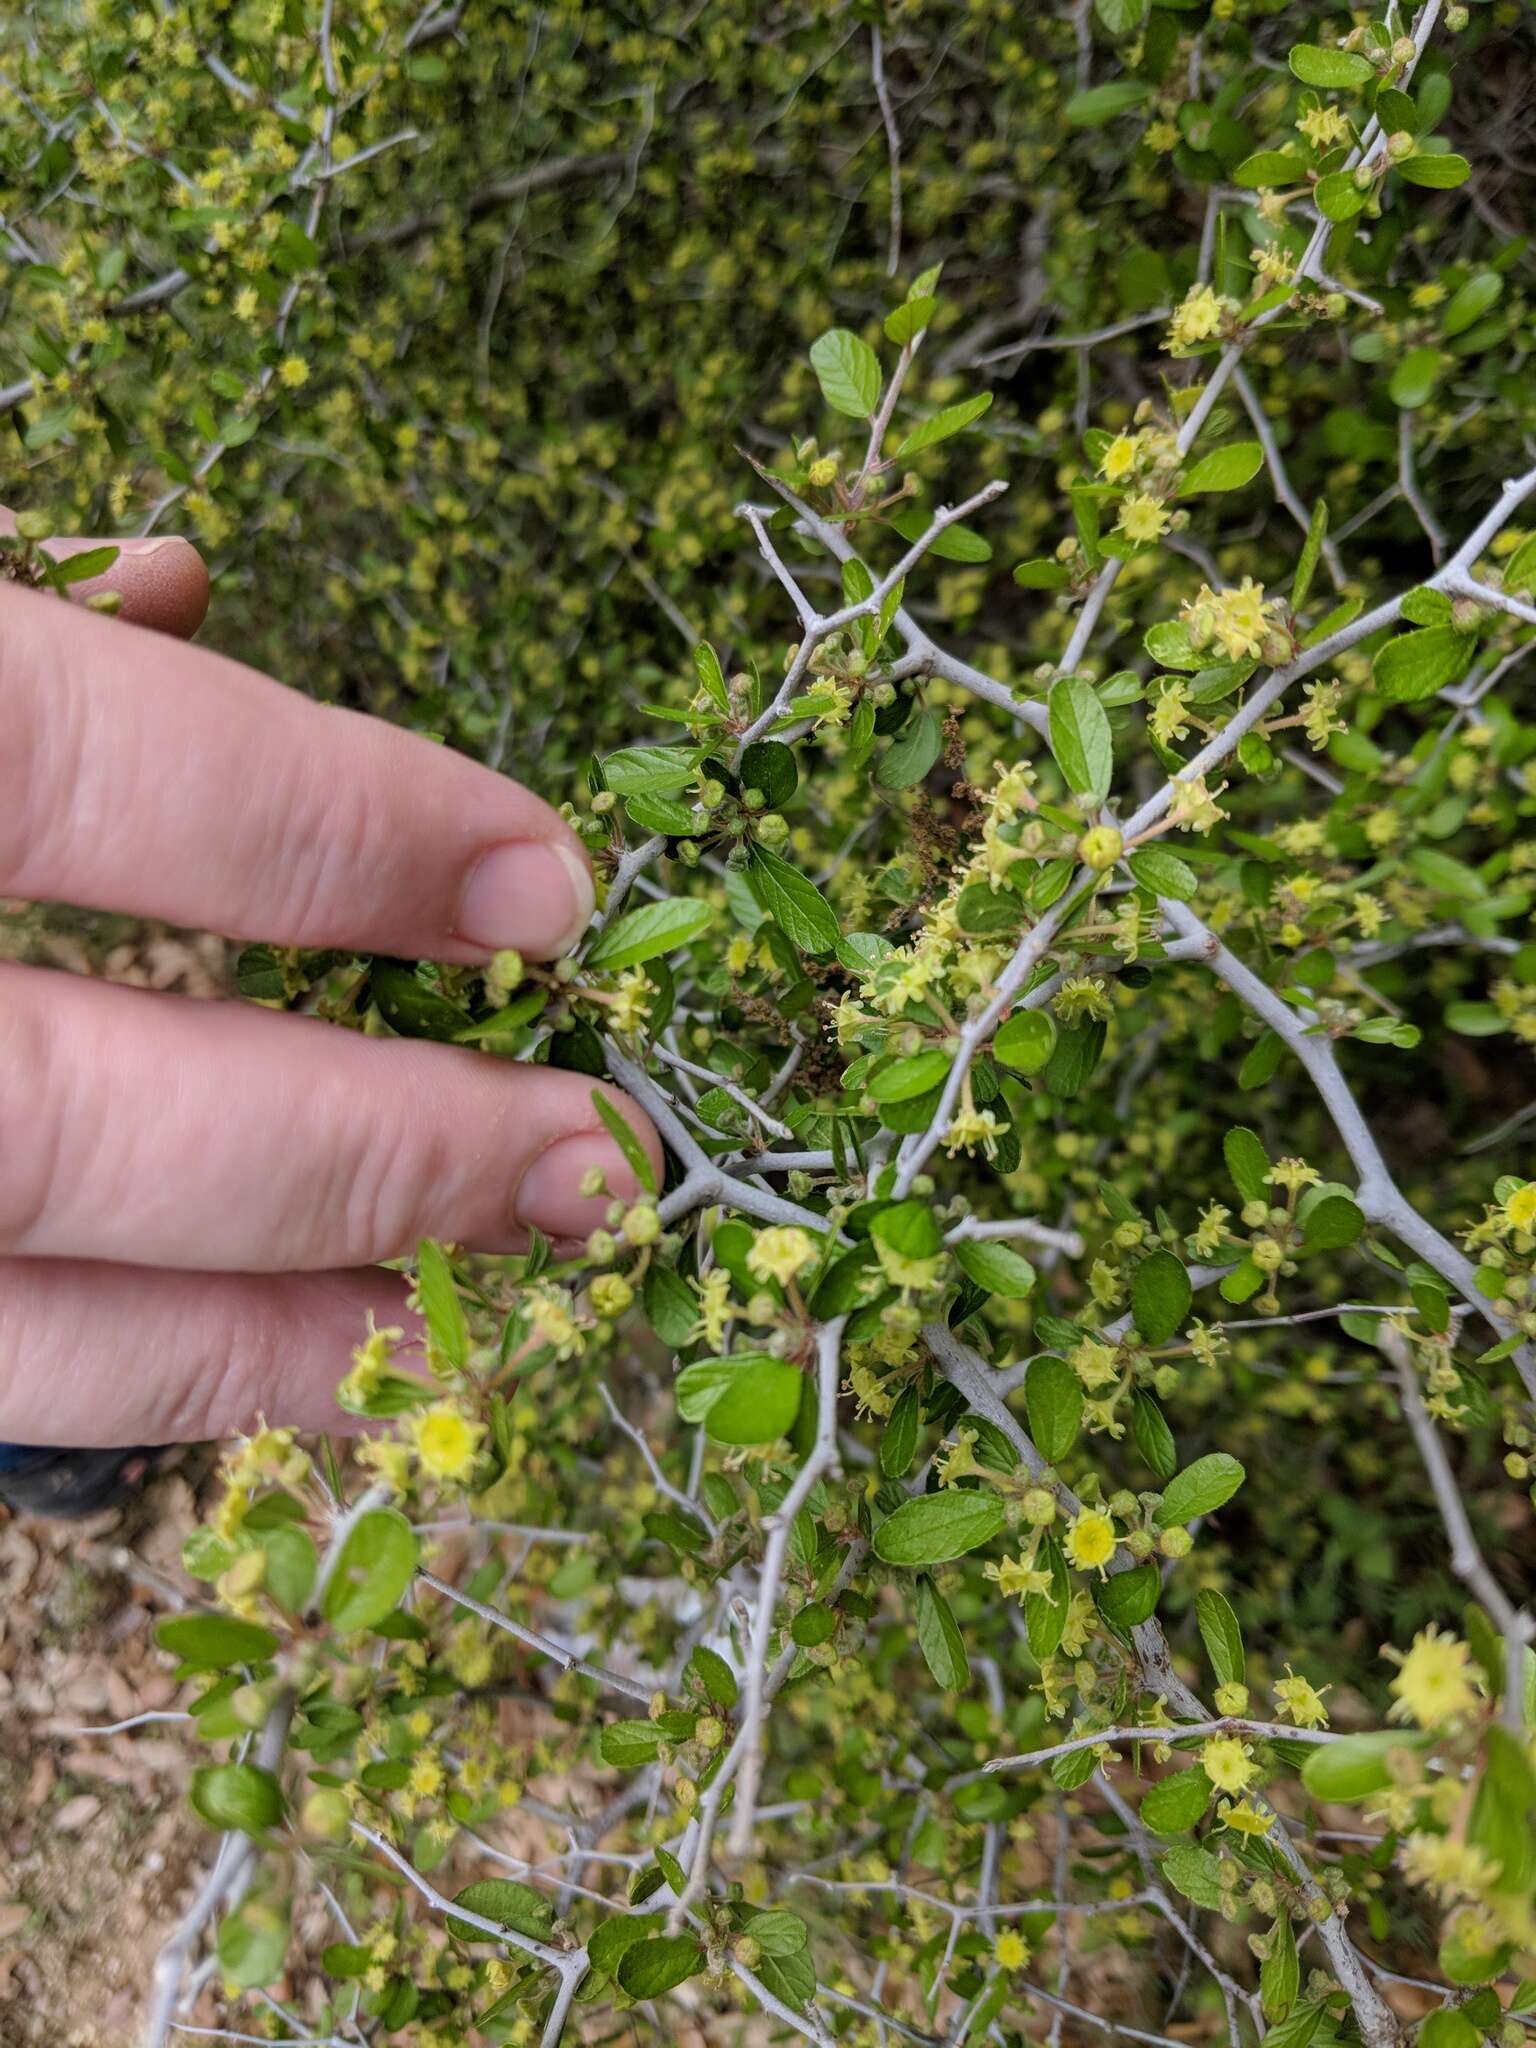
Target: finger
[151, 1130]
[162, 583]
[99, 1355]
[143, 776]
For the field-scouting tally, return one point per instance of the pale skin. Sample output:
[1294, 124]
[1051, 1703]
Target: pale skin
[195, 1197]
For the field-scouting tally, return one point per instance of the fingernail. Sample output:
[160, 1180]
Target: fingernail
[532, 894]
[549, 1197]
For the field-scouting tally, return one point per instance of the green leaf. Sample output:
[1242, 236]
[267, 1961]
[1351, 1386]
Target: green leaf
[1224, 469]
[1468, 305]
[619, 1129]
[650, 771]
[1025, 1041]
[770, 766]
[1120, 17]
[936, 1527]
[670, 1304]
[239, 1798]
[1195, 1873]
[1174, 1804]
[1045, 1614]
[898, 1440]
[938, 1638]
[629, 1744]
[653, 929]
[795, 904]
[706, 665]
[949, 544]
[1248, 1164]
[911, 754]
[996, 1267]
[751, 1398]
[1338, 197]
[1311, 552]
[1154, 1439]
[253, 1944]
[815, 1623]
[715, 1675]
[1041, 574]
[1448, 2028]
[659, 1964]
[916, 1074]
[908, 1228]
[848, 371]
[1101, 103]
[612, 1937]
[1128, 1598]
[376, 1563]
[508, 1903]
[447, 1325]
[909, 318]
[1053, 1396]
[1160, 1296]
[1446, 875]
[1332, 70]
[1269, 167]
[1221, 1635]
[1164, 874]
[1355, 1766]
[777, 1932]
[88, 562]
[215, 1640]
[1333, 1222]
[1280, 1974]
[1441, 172]
[408, 1006]
[1080, 738]
[951, 420]
[1200, 1489]
[1414, 377]
[1415, 665]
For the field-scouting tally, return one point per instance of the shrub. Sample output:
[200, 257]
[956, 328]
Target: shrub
[1101, 1306]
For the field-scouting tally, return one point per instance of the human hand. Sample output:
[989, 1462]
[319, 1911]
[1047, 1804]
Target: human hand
[192, 1195]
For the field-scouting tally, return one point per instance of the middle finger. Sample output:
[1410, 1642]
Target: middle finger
[145, 1128]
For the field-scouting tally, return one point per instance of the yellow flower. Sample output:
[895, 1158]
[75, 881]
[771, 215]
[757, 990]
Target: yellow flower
[1141, 517]
[1245, 1818]
[1091, 1540]
[447, 1442]
[1196, 319]
[1119, 458]
[426, 1779]
[1010, 1951]
[781, 1252]
[1014, 1578]
[1520, 1209]
[1169, 719]
[1228, 1763]
[1301, 1700]
[1422, 298]
[293, 371]
[1435, 1683]
[1323, 126]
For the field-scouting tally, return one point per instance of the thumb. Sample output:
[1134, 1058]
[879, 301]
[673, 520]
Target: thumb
[162, 583]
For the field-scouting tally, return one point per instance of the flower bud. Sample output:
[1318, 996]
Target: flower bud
[1266, 1254]
[1100, 847]
[611, 1294]
[1038, 1504]
[642, 1225]
[108, 602]
[772, 829]
[822, 472]
[1175, 1542]
[33, 525]
[1400, 144]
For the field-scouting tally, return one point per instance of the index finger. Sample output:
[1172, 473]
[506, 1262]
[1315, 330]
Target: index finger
[141, 775]
[162, 583]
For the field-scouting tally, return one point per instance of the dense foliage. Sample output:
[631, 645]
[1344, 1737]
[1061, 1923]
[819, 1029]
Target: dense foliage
[1088, 1011]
